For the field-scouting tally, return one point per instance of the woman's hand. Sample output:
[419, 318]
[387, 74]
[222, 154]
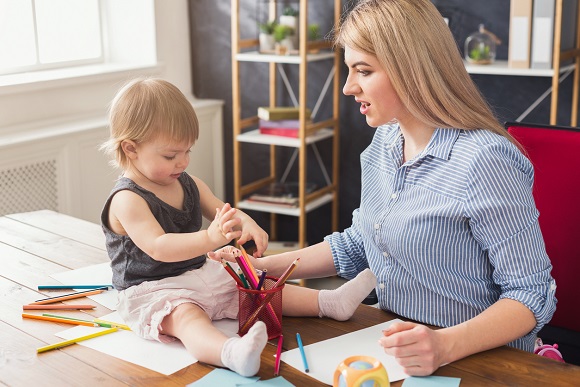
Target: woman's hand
[417, 348]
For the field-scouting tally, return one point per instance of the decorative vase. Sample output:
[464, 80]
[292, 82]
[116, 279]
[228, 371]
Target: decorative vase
[292, 22]
[480, 47]
[267, 42]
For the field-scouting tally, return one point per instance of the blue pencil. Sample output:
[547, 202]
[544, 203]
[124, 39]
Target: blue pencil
[299, 340]
[44, 287]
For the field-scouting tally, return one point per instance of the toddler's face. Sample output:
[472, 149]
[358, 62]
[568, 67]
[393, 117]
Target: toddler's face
[162, 161]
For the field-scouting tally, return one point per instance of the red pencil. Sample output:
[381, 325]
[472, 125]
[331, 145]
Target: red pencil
[278, 354]
[62, 306]
[232, 273]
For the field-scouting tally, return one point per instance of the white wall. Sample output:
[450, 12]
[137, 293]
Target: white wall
[69, 114]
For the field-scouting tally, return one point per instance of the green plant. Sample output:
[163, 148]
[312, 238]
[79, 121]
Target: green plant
[268, 27]
[281, 32]
[289, 11]
[313, 32]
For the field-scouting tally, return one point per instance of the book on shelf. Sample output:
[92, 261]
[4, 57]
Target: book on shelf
[283, 132]
[520, 34]
[282, 194]
[281, 113]
[543, 31]
[285, 128]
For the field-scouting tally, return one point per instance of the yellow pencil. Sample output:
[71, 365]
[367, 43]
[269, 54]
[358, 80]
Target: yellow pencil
[111, 323]
[75, 340]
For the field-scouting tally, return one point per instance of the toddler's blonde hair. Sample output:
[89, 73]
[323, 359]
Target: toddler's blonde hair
[145, 109]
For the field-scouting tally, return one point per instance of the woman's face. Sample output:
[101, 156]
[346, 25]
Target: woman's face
[370, 85]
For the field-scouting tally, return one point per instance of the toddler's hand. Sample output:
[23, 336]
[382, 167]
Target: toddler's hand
[221, 229]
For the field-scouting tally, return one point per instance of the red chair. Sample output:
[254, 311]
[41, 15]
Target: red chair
[555, 153]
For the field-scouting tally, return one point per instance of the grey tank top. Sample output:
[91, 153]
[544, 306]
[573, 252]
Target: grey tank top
[131, 266]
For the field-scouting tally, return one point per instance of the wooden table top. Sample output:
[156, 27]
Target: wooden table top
[38, 244]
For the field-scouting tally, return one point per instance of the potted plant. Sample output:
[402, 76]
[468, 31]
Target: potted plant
[266, 37]
[289, 18]
[282, 37]
[314, 35]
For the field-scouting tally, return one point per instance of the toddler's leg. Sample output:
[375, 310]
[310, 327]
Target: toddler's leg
[192, 326]
[341, 303]
[338, 304]
[242, 355]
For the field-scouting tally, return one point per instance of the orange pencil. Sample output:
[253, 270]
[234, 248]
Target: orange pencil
[250, 266]
[61, 320]
[61, 306]
[67, 297]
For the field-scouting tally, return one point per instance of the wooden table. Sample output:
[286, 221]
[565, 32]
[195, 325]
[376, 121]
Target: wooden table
[35, 245]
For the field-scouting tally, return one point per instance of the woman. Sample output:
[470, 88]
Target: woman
[447, 221]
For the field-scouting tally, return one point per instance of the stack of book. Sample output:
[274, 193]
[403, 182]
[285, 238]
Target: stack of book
[280, 121]
[281, 194]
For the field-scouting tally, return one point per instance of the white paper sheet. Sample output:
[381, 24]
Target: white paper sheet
[125, 345]
[325, 356]
[92, 275]
[163, 358]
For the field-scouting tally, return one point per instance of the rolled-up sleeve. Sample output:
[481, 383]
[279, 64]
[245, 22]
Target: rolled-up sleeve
[504, 219]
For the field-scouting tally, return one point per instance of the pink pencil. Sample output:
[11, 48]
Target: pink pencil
[278, 354]
[63, 306]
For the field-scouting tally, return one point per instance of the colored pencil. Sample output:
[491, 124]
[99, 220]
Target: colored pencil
[69, 296]
[251, 268]
[232, 273]
[262, 279]
[287, 273]
[299, 340]
[49, 287]
[278, 355]
[61, 320]
[112, 324]
[243, 279]
[101, 324]
[75, 340]
[60, 306]
[247, 272]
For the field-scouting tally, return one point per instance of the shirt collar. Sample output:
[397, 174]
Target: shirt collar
[442, 142]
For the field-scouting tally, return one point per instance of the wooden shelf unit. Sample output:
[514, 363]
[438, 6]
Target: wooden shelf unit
[558, 72]
[244, 128]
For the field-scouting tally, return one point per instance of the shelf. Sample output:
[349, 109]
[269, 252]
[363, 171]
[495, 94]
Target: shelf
[500, 67]
[291, 211]
[255, 137]
[255, 56]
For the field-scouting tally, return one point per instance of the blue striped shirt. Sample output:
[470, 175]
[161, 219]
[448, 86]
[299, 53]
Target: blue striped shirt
[449, 232]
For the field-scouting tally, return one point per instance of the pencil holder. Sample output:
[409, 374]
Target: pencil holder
[261, 305]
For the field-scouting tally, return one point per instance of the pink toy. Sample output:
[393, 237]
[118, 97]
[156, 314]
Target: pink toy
[549, 351]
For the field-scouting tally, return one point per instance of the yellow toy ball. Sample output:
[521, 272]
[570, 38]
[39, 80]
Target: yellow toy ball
[361, 371]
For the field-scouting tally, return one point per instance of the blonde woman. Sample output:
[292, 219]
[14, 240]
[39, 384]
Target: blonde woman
[447, 221]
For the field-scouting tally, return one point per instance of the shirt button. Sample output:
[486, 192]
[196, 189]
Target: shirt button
[382, 286]
[377, 226]
[394, 195]
[385, 254]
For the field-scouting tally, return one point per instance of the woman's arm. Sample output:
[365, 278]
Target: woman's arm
[421, 350]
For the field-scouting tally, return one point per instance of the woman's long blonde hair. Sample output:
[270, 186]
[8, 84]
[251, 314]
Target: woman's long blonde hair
[145, 109]
[415, 47]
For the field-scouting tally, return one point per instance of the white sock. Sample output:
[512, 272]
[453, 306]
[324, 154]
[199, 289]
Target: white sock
[341, 303]
[242, 355]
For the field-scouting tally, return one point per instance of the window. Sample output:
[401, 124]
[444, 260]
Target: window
[44, 34]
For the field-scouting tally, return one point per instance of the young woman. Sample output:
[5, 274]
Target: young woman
[447, 221]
